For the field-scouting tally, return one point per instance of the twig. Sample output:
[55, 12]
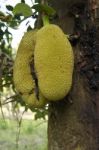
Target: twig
[11, 97]
[2, 110]
[19, 130]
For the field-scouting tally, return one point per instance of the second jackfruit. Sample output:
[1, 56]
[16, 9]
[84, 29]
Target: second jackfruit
[23, 80]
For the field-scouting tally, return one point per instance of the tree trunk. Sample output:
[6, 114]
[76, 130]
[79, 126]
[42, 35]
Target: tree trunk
[74, 122]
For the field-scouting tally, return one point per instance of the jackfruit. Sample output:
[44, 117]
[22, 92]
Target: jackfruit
[31, 100]
[53, 61]
[22, 77]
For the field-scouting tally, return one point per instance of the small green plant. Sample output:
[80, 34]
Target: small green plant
[29, 129]
[3, 125]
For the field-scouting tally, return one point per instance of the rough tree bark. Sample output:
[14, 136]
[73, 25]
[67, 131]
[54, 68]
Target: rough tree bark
[74, 122]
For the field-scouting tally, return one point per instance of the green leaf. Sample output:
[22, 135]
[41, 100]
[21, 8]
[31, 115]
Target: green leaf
[13, 24]
[44, 8]
[39, 115]
[23, 9]
[9, 7]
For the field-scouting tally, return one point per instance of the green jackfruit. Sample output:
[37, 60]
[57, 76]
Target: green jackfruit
[22, 77]
[53, 59]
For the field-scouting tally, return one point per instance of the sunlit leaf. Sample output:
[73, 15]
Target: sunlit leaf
[22, 9]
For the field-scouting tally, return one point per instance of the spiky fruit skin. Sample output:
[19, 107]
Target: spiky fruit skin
[31, 100]
[53, 59]
[22, 77]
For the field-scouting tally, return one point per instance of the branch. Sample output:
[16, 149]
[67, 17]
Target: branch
[8, 102]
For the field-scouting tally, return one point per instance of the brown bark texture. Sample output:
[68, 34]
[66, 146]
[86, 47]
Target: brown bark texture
[74, 122]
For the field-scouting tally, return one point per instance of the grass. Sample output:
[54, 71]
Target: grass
[33, 135]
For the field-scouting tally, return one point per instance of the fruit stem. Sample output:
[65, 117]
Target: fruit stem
[45, 19]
